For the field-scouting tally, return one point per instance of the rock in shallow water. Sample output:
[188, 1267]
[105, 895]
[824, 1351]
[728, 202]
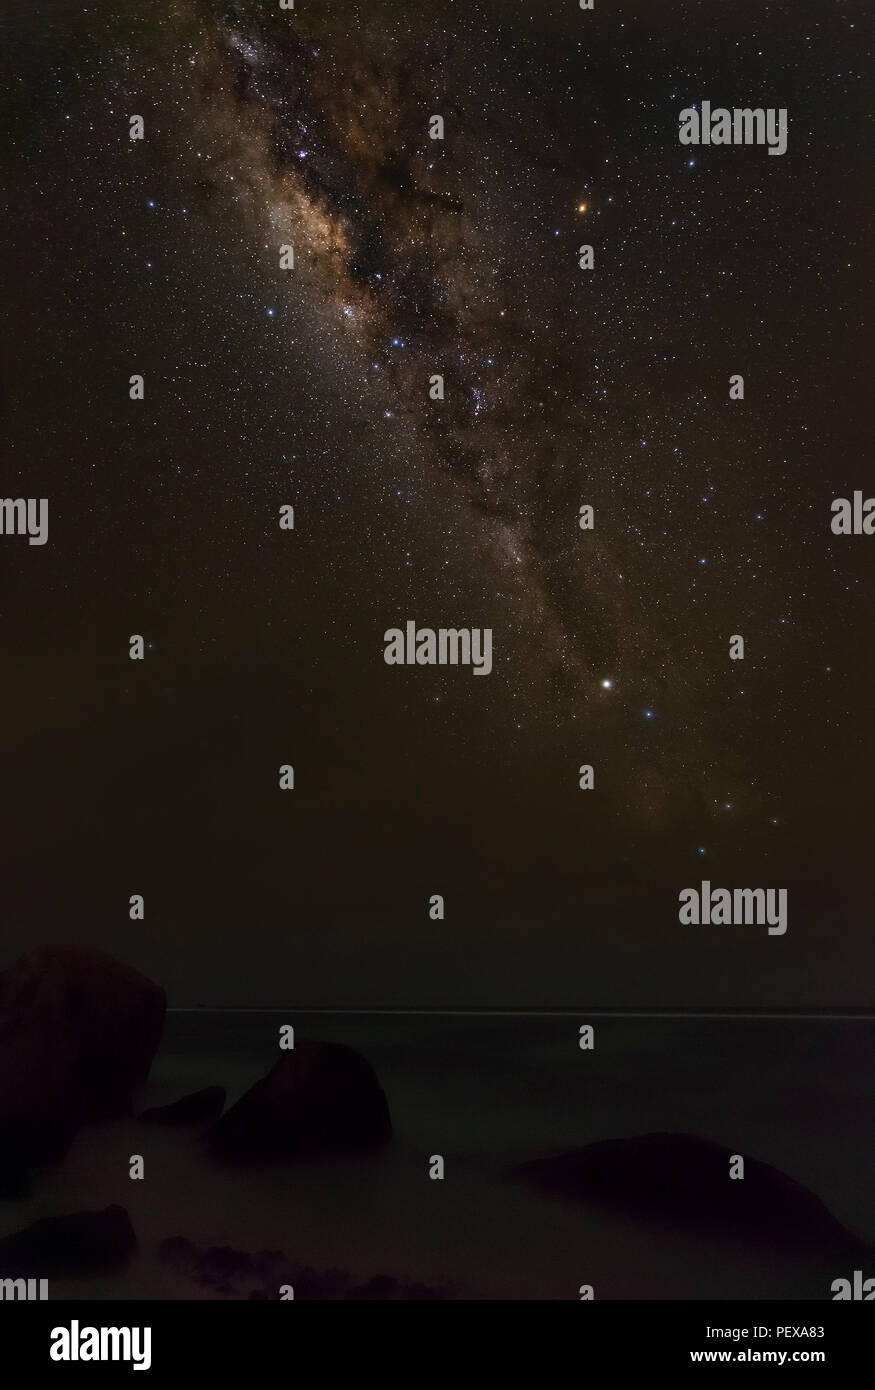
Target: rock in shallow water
[78, 1031]
[319, 1098]
[685, 1180]
[228, 1273]
[85, 1242]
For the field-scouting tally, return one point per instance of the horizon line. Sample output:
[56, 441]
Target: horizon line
[851, 1013]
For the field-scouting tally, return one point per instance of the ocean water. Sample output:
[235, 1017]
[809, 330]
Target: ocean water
[487, 1091]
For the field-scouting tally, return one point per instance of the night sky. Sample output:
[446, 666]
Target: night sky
[267, 387]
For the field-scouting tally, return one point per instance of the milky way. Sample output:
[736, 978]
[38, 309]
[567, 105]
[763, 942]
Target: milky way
[459, 257]
[397, 242]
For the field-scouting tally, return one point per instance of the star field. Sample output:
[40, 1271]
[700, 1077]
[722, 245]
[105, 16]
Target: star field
[563, 387]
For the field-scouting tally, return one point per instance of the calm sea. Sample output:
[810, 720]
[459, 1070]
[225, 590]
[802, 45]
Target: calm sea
[487, 1091]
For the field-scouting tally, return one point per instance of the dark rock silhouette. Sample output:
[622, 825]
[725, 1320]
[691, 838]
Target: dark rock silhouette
[85, 1242]
[198, 1108]
[685, 1180]
[319, 1098]
[230, 1273]
[78, 1030]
